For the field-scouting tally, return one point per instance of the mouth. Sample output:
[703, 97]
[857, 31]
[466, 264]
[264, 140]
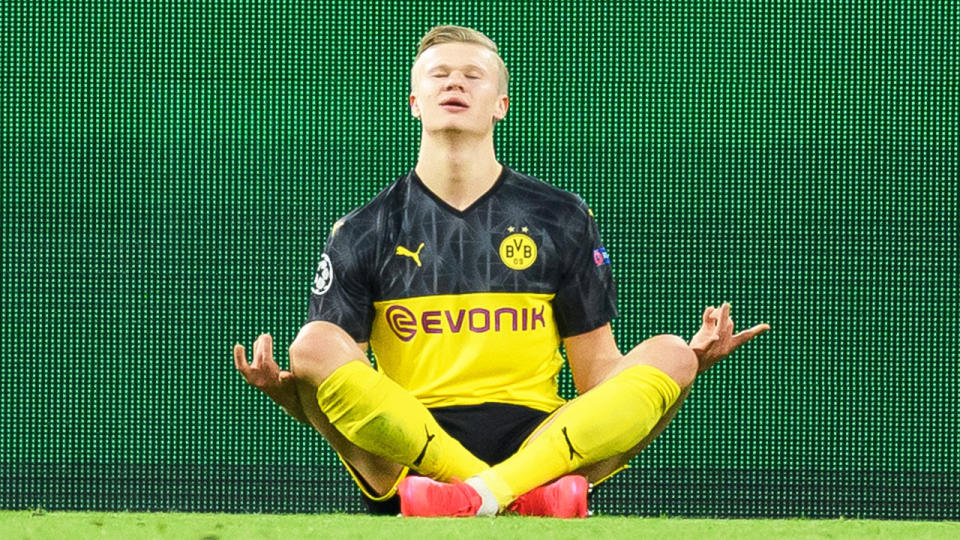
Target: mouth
[454, 105]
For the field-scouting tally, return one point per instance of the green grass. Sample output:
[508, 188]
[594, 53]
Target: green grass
[71, 525]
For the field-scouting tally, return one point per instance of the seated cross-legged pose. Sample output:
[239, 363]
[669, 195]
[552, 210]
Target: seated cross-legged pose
[465, 277]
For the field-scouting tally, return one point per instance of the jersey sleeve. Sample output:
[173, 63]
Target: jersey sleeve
[587, 296]
[341, 292]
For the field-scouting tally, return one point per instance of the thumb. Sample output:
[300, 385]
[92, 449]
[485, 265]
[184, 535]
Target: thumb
[751, 333]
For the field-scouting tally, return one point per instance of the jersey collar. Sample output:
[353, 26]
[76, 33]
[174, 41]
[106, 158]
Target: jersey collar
[460, 213]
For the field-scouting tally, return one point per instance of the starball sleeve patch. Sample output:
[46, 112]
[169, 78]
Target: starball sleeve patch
[324, 276]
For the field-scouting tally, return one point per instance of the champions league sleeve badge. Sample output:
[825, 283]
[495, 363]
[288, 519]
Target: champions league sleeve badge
[600, 256]
[324, 277]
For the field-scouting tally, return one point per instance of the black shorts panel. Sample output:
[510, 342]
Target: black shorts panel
[491, 431]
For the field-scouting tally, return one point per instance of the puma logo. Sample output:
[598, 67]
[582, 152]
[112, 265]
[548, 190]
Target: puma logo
[415, 255]
[573, 452]
[419, 460]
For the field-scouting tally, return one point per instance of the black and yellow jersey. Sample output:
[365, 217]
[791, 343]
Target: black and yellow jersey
[467, 307]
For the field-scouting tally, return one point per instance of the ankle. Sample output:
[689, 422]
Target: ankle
[502, 492]
[489, 505]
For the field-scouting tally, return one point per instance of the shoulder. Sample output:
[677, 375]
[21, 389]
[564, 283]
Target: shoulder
[559, 202]
[373, 217]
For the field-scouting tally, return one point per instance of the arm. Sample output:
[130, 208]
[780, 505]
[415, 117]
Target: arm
[592, 357]
[265, 375]
[344, 302]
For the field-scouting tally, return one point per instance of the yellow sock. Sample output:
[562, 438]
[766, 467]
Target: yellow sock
[378, 415]
[607, 421]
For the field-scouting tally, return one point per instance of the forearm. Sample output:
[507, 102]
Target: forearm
[297, 415]
[286, 397]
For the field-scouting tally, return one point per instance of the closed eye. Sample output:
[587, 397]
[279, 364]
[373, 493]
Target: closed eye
[440, 74]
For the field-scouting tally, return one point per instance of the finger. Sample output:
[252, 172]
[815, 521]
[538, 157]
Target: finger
[268, 347]
[712, 331]
[240, 359]
[750, 333]
[725, 322]
[257, 352]
[264, 354]
[286, 376]
[706, 314]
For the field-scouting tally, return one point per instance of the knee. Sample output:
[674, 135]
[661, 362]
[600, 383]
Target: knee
[319, 349]
[673, 356]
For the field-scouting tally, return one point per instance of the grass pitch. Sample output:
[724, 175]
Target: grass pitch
[15, 525]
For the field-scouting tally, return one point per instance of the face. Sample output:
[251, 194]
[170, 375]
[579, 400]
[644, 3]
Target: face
[456, 88]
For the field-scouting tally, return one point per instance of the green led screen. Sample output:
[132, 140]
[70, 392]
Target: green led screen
[171, 170]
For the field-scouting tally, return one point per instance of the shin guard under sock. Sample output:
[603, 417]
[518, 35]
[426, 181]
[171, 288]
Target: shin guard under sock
[609, 420]
[378, 415]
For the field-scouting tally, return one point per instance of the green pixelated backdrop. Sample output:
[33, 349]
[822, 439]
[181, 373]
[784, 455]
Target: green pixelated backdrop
[171, 169]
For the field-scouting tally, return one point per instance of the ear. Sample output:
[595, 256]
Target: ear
[414, 108]
[503, 103]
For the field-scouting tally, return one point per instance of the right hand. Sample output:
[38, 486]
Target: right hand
[266, 375]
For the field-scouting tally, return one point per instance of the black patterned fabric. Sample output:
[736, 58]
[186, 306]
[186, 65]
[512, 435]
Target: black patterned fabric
[461, 253]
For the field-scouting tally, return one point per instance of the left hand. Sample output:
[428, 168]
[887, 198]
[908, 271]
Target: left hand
[715, 340]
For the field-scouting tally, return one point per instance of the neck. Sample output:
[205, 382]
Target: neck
[457, 169]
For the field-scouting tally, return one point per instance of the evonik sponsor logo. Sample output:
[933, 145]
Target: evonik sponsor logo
[406, 324]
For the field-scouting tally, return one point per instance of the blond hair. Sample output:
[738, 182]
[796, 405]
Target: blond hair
[461, 34]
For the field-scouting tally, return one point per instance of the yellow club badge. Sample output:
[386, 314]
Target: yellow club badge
[518, 251]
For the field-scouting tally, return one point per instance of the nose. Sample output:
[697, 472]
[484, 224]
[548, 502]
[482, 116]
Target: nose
[454, 80]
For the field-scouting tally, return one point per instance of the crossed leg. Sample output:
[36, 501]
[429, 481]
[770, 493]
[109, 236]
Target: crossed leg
[380, 466]
[597, 433]
[671, 355]
[601, 470]
[376, 426]
[378, 473]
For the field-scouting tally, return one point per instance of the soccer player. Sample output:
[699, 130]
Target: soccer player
[465, 277]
